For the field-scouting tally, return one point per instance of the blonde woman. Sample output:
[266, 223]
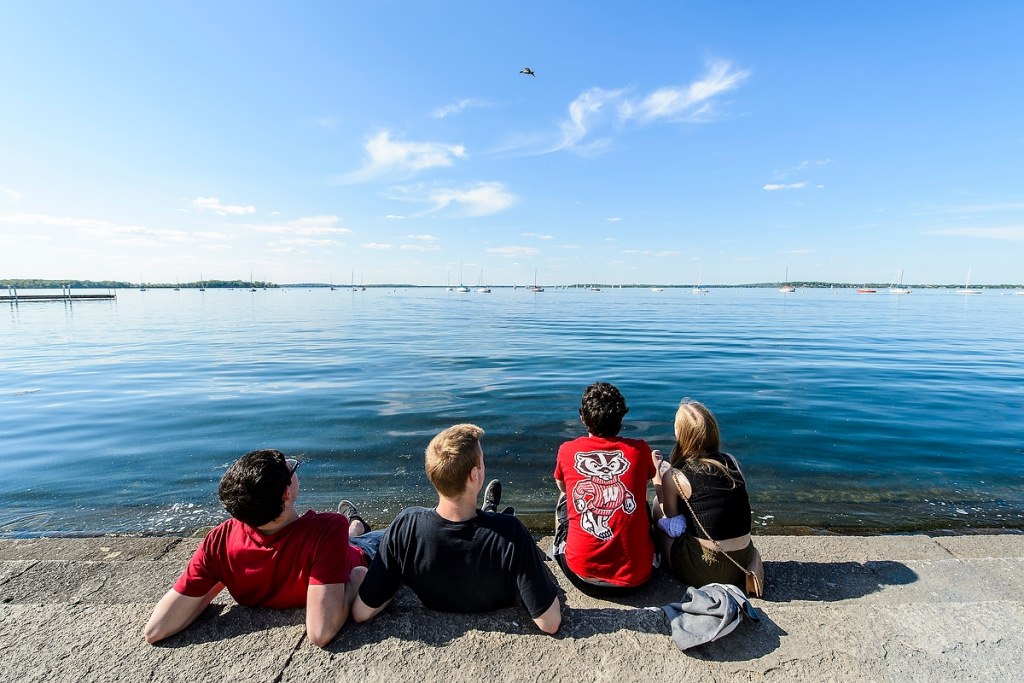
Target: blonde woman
[711, 481]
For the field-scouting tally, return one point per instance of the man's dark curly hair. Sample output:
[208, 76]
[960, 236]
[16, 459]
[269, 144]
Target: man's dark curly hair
[602, 409]
[252, 490]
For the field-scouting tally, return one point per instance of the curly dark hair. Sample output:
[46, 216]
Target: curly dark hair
[602, 409]
[252, 490]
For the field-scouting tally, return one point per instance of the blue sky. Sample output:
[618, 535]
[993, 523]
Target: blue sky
[397, 141]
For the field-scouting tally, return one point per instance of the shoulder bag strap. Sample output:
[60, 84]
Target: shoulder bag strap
[697, 521]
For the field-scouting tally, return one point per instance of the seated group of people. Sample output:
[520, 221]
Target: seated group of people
[457, 557]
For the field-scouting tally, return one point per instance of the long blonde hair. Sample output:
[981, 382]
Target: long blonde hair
[697, 439]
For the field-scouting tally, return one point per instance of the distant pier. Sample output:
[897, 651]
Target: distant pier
[65, 295]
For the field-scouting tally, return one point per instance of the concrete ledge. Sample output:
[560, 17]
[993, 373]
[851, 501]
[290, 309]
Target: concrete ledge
[837, 608]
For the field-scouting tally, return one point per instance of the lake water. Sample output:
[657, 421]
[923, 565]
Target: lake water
[848, 412]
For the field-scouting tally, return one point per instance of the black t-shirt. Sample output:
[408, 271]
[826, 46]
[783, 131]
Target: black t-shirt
[474, 566]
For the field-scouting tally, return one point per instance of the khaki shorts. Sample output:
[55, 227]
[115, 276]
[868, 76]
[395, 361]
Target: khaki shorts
[695, 565]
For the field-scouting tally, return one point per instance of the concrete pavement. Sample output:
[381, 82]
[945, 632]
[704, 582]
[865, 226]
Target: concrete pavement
[881, 608]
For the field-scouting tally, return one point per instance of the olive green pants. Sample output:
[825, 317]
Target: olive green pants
[695, 565]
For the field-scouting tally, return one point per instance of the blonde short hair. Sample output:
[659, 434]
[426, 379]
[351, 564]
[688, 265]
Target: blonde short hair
[451, 456]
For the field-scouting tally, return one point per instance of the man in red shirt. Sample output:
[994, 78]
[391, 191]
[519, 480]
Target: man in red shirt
[602, 524]
[267, 555]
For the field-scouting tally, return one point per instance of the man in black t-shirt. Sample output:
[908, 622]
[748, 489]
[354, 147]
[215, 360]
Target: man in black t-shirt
[439, 553]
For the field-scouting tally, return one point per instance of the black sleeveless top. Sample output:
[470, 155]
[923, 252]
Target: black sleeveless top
[722, 508]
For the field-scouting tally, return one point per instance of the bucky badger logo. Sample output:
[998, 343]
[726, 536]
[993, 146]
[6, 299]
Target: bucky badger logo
[601, 492]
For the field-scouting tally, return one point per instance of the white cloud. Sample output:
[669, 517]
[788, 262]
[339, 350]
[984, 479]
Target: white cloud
[800, 251]
[9, 195]
[394, 217]
[455, 107]
[307, 225]
[377, 245]
[391, 157]
[538, 236]
[773, 187]
[326, 122]
[481, 199]
[513, 252]
[1010, 233]
[307, 242]
[423, 238]
[113, 233]
[214, 204]
[693, 103]
[421, 247]
[613, 219]
[690, 102]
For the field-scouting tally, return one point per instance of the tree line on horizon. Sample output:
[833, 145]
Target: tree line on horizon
[38, 283]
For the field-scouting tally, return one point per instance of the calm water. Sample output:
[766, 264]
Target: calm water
[847, 411]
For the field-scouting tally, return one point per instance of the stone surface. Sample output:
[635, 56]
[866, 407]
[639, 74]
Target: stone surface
[898, 608]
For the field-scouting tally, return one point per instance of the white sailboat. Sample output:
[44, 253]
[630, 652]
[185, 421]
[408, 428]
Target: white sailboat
[202, 283]
[897, 286]
[967, 286]
[252, 287]
[461, 289]
[534, 287]
[142, 285]
[787, 288]
[480, 284]
[698, 289]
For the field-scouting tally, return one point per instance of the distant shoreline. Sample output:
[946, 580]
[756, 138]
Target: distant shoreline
[239, 284]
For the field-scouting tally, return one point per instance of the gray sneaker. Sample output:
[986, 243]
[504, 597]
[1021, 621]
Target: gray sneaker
[492, 496]
[347, 508]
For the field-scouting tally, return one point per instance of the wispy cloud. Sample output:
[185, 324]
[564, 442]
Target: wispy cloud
[377, 245]
[9, 195]
[1009, 233]
[800, 251]
[389, 157]
[694, 103]
[308, 225]
[613, 219]
[481, 199]
[394, 217]
[538, 236]
[993, 207]
[326, 122]
[421, 247]
[651, 252]
[774, 187]
[423, 238]
[114, 233]
[513, 252]
[456, 107]
[307, 242]
[214, 204]
[805, 165]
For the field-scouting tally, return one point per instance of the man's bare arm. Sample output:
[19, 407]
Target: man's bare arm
[328, 607]
[174, 612]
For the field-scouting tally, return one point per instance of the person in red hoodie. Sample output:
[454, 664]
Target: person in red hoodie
[602, 524]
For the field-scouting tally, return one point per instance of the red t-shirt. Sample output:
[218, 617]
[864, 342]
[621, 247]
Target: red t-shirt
[609, 535]
[263, 570]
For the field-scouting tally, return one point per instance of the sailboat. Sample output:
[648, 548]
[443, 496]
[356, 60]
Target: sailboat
[461, 289]
[202, 283]
[897, 286]
[142, 285]
[698, 289]
[534, 287]
[177, 285]
[967, 286]
[252, 287]
[480, 284]
[787, 288]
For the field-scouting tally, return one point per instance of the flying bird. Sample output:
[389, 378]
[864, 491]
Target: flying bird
[528, 71]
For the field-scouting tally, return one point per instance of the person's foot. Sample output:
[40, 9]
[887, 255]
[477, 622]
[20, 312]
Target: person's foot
[347, 508]
[492, 496]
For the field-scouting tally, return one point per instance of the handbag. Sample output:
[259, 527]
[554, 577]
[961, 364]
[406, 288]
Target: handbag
[754, 570]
